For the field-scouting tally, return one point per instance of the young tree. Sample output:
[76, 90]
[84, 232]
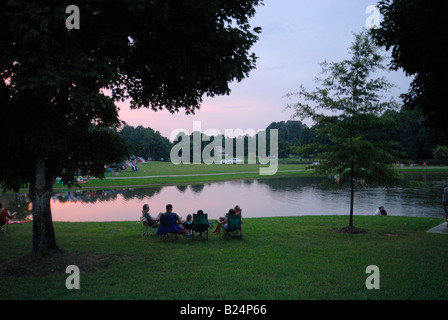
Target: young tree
[57, 118]
[346, 107]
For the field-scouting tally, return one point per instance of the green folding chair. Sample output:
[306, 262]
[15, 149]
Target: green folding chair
[233, 230]
[200, 226]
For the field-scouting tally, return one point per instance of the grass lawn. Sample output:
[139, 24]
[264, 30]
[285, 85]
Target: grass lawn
[166, 173]
[162, 173]
[279, 258]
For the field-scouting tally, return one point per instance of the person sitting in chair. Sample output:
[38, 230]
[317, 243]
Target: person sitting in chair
[223, 223]
[238, 211]
[153, 222]
[170, 222]
[188, 225]
[5, 215]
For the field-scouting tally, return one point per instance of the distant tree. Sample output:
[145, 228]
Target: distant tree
[290, 133]
[416, 139]
[441, 153]
[415, 32]
[146, 143]
[347, 106]
[58, 86]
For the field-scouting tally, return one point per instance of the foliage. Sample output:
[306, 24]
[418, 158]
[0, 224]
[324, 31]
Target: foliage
[58, 86]
[441, 153]
[415, 31]
[348, 106]
[416, 140]
[290, 134]
[146, 143]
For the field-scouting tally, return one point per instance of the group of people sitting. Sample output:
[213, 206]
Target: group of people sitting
[171, 222]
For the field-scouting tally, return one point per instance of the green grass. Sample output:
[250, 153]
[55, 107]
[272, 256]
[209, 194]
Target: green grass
[155, 173]
[166, 173]
[423, 169]
[279, 258]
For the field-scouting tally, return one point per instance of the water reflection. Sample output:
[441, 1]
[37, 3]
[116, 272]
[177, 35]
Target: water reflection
[258, 198]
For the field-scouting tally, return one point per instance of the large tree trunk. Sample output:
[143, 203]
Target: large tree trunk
[44, 240]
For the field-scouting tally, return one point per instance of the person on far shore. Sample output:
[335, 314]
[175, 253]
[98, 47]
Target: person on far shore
[380, 211]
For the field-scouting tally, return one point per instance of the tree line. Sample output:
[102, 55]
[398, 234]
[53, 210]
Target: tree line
[415, 141]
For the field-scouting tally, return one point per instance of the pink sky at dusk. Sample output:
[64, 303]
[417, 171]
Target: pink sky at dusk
[296, 36]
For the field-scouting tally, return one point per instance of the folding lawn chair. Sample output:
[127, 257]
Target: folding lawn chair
[169, 229]
[233, 227]
[149, 228]
[200, 226]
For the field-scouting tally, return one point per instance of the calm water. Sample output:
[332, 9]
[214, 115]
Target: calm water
[258, 198]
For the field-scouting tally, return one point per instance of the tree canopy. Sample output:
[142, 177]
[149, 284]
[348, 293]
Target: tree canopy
[59, 85]
[348, 104]
[415, 32]
[146, 143]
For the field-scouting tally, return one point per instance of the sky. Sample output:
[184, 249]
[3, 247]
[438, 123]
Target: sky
[297, 35]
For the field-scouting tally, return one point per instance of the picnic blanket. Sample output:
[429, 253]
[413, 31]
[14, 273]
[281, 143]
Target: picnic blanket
[18, 222]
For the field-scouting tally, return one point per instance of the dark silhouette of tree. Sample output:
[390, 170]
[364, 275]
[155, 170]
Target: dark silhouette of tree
[415, 32]
[58, 85]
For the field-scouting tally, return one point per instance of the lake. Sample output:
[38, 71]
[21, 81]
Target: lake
[273, 197]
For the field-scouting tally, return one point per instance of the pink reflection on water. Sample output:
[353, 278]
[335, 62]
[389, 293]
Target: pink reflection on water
[213, 199]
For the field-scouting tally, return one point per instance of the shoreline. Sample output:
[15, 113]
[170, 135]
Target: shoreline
[129, 180]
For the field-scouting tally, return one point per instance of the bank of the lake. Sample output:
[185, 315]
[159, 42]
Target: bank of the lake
[166, 173]
[279, 258]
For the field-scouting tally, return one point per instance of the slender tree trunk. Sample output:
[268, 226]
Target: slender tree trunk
[352, 191]
[44, 240]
